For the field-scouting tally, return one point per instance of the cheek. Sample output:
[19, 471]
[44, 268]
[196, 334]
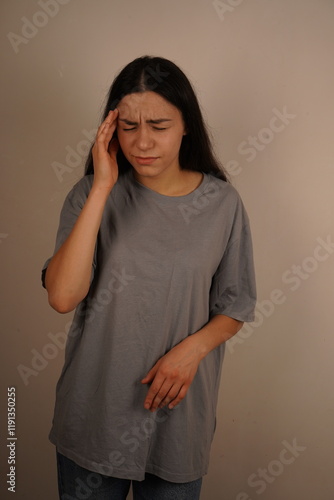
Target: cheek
[174, 142]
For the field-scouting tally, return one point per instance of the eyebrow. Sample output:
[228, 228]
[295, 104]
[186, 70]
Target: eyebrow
[155, 122]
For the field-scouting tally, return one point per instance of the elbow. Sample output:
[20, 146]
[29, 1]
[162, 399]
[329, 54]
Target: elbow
[63, 299]
[61, 304]
[239, 326]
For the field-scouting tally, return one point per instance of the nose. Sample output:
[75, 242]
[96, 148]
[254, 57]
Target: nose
[144, 138]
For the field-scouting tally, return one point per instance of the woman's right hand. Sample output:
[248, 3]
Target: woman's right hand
[104, 153]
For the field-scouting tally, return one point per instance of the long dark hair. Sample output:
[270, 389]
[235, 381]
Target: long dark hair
[162, 76]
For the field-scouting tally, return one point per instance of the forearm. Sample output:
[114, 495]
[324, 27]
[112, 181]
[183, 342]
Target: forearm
[173, 373]
[68, 275]
[217, 331]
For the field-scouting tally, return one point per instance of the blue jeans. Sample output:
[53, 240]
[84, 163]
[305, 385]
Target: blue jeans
[77, 483]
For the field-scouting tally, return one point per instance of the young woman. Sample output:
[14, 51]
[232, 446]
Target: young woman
[154, 252]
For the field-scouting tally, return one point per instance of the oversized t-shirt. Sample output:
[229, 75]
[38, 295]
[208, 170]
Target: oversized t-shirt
[163, 266]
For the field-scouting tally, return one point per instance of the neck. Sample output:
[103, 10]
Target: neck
[177, 183]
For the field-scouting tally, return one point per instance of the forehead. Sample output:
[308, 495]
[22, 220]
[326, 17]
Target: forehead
[148, 104]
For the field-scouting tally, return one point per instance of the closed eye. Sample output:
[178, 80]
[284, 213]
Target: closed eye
[155, 128]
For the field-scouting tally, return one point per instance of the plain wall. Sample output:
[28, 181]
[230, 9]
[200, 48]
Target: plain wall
[250, 61]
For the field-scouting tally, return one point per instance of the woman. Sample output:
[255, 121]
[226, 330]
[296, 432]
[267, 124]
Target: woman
[154, 252]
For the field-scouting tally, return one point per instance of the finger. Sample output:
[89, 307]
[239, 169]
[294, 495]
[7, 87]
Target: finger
[151, 395]
[158, 396]
[150, 376]
[107, 127]
[113, 147]
[102, 143]
[170, 396]
[182, 393]
[156, 393]
[110, 118]
[106, 121]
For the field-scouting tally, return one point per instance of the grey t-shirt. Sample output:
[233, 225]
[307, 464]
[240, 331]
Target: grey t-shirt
[163, 267]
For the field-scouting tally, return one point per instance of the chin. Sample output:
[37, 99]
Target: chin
[146, 171]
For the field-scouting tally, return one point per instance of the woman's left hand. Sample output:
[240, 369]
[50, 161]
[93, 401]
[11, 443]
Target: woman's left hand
[172, 375]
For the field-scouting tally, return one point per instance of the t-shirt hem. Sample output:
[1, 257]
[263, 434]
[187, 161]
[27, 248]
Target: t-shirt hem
[135, 475]
[245, 318]
[172, 476]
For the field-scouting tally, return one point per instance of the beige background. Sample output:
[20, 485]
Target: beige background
[249, 61]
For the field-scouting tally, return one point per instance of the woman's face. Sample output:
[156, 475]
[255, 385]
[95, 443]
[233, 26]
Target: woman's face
[150, 132]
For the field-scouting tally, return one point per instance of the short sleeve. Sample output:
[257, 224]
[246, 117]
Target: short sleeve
[233, 289]
[71, 209]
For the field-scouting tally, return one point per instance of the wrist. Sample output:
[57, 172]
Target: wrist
[216, 332]
[197, 342]
[101, 191]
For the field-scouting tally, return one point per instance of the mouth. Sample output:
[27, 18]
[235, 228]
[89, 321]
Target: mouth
[145, 160]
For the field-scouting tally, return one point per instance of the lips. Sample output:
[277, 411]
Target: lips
[148, 160]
